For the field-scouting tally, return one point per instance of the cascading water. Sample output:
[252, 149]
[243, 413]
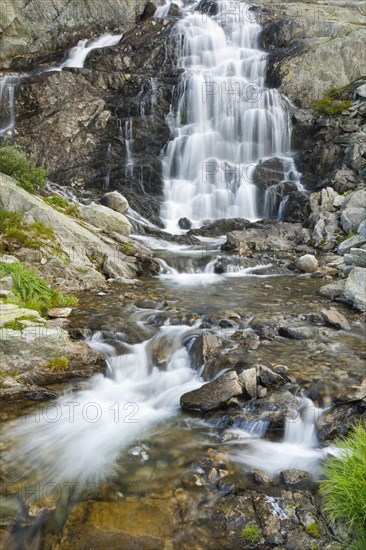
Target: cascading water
[225, 120]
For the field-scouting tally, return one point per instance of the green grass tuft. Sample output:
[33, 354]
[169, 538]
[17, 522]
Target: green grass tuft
[58, 364]
[33, 292]
[15, 163]
[14, 325]
[19, 233]
[62, 205]
[251, 533]
[344, 489]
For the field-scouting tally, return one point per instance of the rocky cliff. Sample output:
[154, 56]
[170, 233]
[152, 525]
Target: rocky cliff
[37, 28]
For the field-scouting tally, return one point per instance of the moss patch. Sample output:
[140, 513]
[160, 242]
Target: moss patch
[313, 530]
[58, 364]
[251, 533]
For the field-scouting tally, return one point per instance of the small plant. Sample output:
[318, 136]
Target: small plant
[313, 530]
[251, 533]
[344, 489]
[14, 325]
[58, 364]
[33, 292]
[128, 249]
[330, 106]
[15, 163]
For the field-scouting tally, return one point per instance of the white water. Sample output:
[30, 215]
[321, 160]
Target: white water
[225, 121]
[299, 448]
[81, 436]
[76, 56]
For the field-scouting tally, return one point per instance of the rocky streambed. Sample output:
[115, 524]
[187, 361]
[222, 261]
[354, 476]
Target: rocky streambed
[221, 397]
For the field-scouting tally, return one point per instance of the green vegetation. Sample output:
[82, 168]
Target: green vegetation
[14, 228]
[32, 291]
[313, 530]
[344, 489]
[333, 104]
[251, 534]
[58, 363]
[15, 163]
[14, 325]
[128, 249]
[62, 205]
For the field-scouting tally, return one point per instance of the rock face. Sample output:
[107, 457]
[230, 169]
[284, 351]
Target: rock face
[214, 395]
[30, 29]
[104, 126]
[355, 288]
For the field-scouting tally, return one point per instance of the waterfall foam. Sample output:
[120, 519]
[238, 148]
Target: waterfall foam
[224, 122]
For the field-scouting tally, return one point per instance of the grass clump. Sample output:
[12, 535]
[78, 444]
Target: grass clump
[313, 530]
[330, 106]
[58, 364]
[62, 205]
[251, 533]
[344, 489]
[32, 291]
[15, 163]
[14, 228]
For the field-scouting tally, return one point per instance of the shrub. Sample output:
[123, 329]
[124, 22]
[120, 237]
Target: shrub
[32, 291]
[15, 163]
[251, 533]
[344, 489]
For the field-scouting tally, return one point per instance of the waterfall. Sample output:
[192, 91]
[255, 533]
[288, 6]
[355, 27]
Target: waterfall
[7, 104]
[224, 122]
[129, 144]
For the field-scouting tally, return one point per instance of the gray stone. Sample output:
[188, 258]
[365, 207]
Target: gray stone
[307, 263]
[352, 242]
[6, 283]
[60, 312]
[11, 312]
[249, 379]
[356, 257]
[115, 201]
[351, 219]
[355, 288]
[214, 395]
[361, 230]
[106, 219]
[335, 319]
[361, 91]
[333, 290]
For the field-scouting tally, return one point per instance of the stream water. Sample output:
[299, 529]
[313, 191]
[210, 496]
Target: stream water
[116, 451]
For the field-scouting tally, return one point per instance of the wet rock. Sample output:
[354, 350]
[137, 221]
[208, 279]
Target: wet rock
[220, 227]
[268, 377]
[261, 392]
[335, 319]
[115, 201]
[204, 348]
[249, 379]
[262, 478]
[266, 331]
[270, 523]
[296, 479]
[272, 171]
[307, 263]
[214, 395]
[250, 340]
[355, 288]
[295, 332]
[60, 312]
[337, 421]
[185, 223]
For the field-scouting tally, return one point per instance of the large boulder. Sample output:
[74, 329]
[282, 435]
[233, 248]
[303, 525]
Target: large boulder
[205, 347]
[307, 263]
[115, 201]
[353, 211]
[214, 395]
[106, 219]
